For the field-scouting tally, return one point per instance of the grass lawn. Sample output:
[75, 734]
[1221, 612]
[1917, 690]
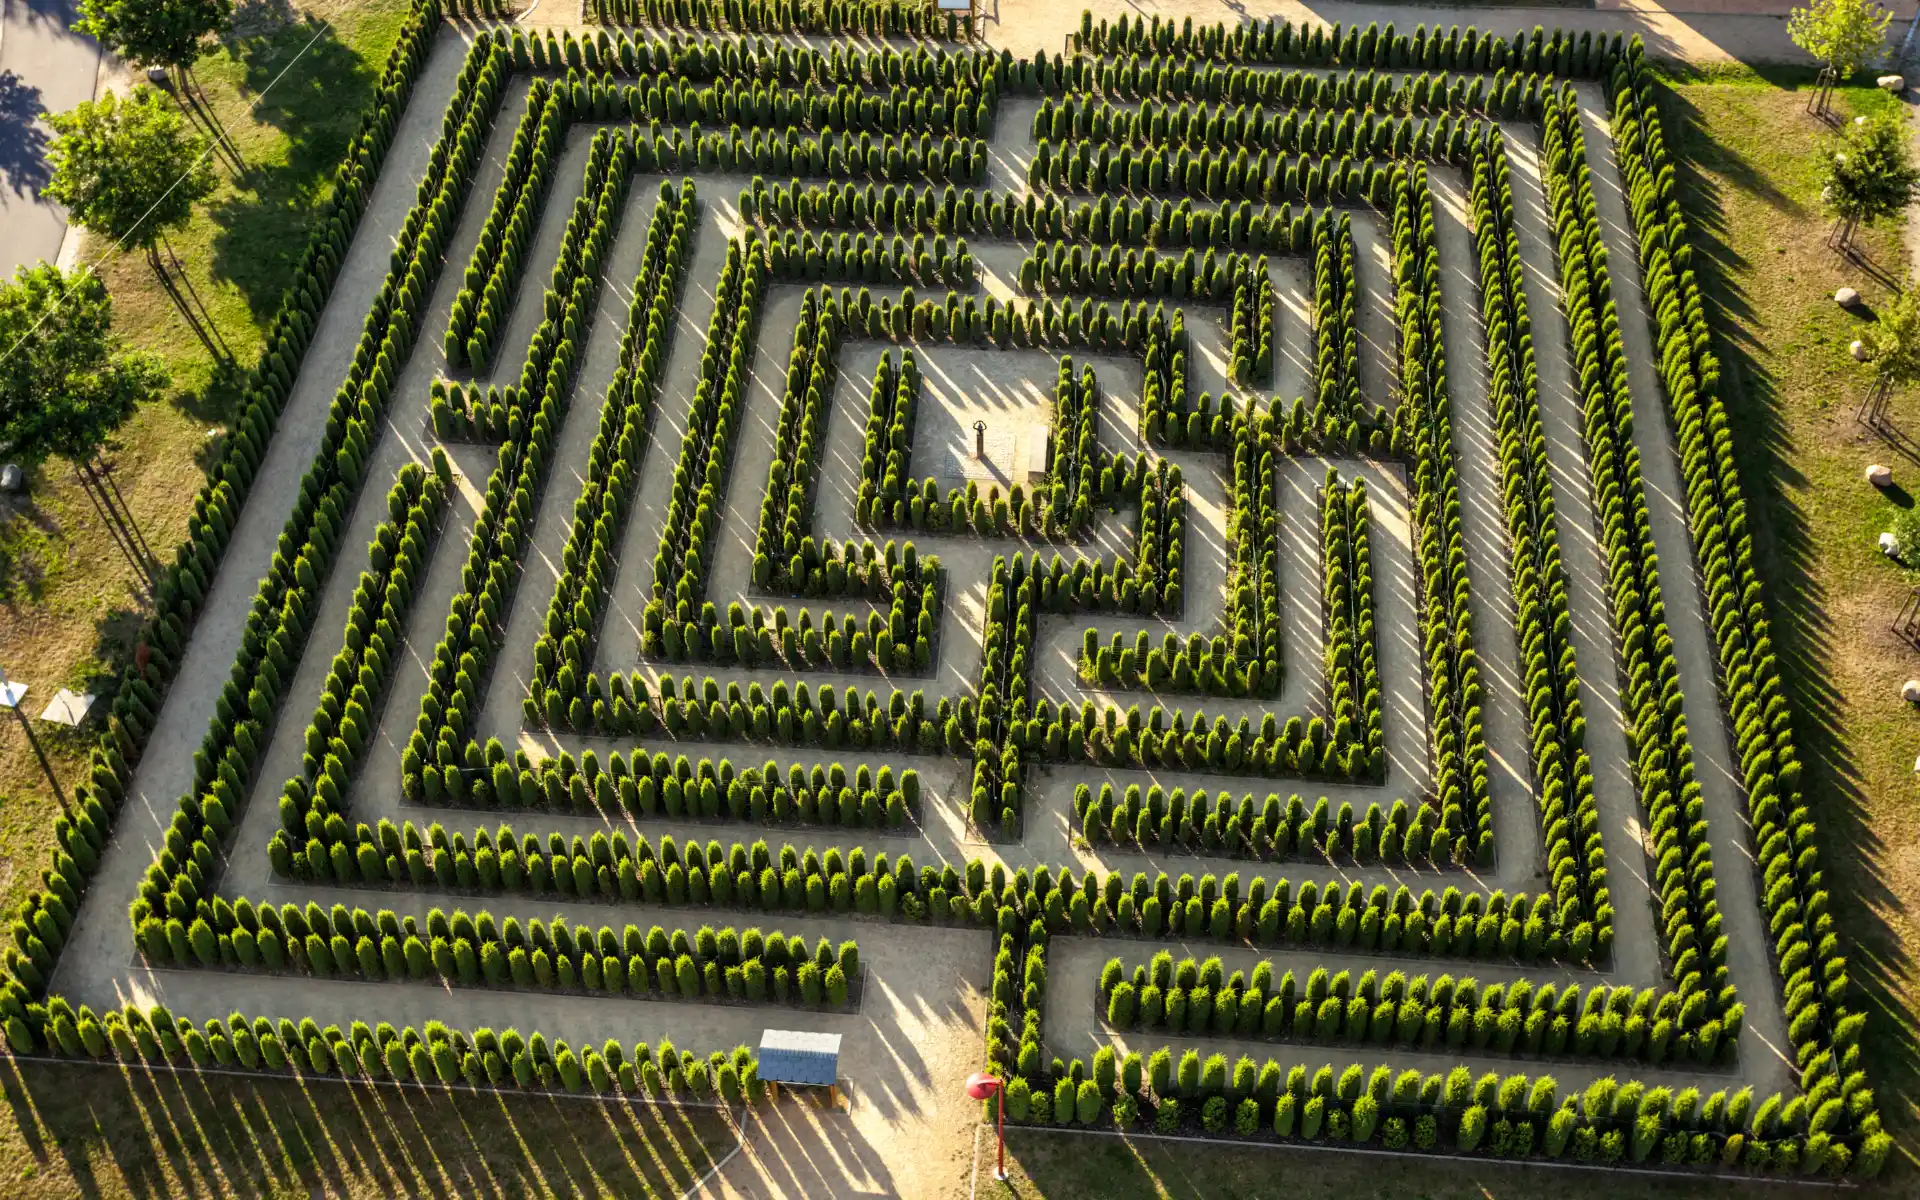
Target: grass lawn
[69, 606]
[101, 1133]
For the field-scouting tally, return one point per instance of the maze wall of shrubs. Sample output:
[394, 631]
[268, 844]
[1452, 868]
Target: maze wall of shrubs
[1175, 172]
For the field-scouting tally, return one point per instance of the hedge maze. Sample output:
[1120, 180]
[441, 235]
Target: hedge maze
[1030, 512]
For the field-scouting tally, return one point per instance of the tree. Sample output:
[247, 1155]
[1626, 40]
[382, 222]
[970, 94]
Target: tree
[129, 170]
[1893, 344]
[66, 383]
[1866, 175]
[163, 33]
[1842, 35]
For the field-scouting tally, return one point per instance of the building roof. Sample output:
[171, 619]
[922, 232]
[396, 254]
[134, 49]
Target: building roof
[792, 1056]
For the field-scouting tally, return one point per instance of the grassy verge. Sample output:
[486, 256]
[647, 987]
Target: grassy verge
[1752, 194]
[105, 1134]
[289, 87]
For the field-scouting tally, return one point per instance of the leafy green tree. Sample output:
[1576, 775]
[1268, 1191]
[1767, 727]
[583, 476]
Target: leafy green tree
[1893, 344]
[127, 169]
[1842, 35]
[1866, 176]
[163, 33]
[66, 382]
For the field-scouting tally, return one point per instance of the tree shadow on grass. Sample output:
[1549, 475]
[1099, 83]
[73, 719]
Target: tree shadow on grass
[316, 105]
[216, 402]
[23, 523]
[23, 140]
[1803, 631]
[164, 1135]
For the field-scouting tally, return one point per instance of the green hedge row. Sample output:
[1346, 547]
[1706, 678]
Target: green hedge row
[674, 788]
[891, 157]
[468, 412]
[439, 1055]
[706, 457]
[1359, 115]
[965, 109]
[854, 258]
[1210, 278]
[1109, 221]
[793, 473]
[877, 18]
[1336, 326]
[1298, 749]
[1017, 990]
[1494, 1116]
[442, 740]
[998, 790]
[1824, 1027]
[1683, 872]
[1076, 467]
[1253, 581]
[1251, 344]
[493, 273]
[892, 412]
[1651, 1025]
[1426, 417]
[1157, 819]
[1562, 771]
[563, 652]
[1160, 539]
[1163, 388]
[799, 717]
[499, 862]
[288, 598]
[1352, 669]
[1279, 42]
[346, 718]
[790, 84]
[474, 951]
[1227, 175]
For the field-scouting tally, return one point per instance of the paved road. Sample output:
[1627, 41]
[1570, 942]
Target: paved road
[44, 67]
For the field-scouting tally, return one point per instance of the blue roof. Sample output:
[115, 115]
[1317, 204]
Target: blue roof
[791, 1056]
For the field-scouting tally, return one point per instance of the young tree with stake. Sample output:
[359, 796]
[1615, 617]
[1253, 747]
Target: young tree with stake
[1893, 345]
[1866, 176]
[1842, 35]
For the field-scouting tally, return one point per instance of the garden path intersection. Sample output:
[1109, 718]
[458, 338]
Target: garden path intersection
[1427, 723]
